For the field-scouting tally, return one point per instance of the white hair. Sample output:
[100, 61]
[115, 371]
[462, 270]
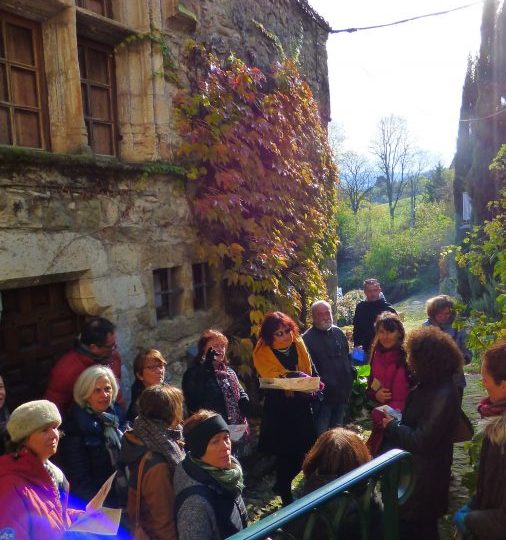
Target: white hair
[320, 303]
[85, 384]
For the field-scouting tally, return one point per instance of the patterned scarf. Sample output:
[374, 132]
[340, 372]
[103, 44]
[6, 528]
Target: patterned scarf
[229, 386]
[160, 439]
[230, 479]
[486, 408]
[112, 433]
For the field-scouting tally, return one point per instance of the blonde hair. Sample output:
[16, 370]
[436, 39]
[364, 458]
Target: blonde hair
[85, 384]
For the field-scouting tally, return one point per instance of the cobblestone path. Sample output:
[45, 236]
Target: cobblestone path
[261, 500]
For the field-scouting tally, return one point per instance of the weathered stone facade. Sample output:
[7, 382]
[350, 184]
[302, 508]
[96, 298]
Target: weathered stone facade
[101, 224]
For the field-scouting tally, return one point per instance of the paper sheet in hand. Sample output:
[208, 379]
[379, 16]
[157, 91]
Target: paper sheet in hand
[102, 521]
[391, 411]
[98, 500]
[298, 384]
[97, 519]
[237, 431]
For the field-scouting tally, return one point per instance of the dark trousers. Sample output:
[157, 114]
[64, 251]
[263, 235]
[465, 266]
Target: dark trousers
[419, 530]
[288, 467]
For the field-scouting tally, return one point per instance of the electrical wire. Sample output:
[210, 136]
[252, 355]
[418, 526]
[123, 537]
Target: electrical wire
[436, 14]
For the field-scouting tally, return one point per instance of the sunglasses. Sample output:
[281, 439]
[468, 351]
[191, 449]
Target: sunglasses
[281, 333]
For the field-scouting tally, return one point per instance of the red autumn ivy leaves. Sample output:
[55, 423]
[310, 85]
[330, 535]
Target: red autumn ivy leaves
[265, 181]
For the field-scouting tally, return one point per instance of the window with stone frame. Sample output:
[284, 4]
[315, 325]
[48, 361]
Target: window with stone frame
[202, 286]
[101, 7]
[23, 106]
[167, 292]
[98, 89]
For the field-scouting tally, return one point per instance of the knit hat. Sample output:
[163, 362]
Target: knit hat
[198, 438]
[30, 417]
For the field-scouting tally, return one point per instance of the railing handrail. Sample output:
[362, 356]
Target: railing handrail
[374, 468]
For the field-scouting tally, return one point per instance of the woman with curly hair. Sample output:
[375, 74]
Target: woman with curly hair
[287, 429]
[426, 429]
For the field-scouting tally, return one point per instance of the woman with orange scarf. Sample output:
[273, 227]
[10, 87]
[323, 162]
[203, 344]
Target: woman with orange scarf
[287, 430]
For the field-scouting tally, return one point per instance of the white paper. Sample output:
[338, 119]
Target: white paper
[296, 384]
[97, 519]
[103, 521]
[237, 431]
[390, 411]
[98, 500]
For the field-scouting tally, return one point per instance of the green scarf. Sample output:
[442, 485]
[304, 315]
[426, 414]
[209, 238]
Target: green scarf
[230, 479]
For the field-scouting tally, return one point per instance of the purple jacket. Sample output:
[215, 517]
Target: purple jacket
[387, 367]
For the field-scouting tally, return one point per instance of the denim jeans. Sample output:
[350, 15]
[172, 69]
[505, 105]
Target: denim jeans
[328, 416]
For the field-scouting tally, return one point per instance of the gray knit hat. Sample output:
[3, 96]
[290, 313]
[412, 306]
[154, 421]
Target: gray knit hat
[31, 417]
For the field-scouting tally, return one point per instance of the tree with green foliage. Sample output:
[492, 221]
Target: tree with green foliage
[264, 183]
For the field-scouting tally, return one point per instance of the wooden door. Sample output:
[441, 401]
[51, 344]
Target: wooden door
[37, 326]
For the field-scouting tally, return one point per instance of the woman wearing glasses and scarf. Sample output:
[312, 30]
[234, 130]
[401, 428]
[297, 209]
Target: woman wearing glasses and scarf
[287, 430]
[211, 384]
[93, 429]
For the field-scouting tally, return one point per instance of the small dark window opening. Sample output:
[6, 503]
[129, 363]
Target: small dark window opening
[98, 89]
[202, 285]
[167, 292]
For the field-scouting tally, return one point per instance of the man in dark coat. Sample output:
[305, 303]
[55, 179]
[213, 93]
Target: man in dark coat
[329, 350]
[366, 312]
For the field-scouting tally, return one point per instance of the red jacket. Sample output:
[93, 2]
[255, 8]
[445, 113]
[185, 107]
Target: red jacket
[391, 373]
[30, 505]
[66, 372]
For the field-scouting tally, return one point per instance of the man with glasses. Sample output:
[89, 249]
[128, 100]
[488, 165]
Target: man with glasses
[329, 350]
[96, 345]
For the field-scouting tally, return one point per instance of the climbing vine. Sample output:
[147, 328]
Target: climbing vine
[264, 180]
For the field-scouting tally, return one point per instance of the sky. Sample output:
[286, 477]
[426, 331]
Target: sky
[415, 70]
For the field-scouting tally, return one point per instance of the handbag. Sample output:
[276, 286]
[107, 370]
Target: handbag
[139, 533]
[464, 430]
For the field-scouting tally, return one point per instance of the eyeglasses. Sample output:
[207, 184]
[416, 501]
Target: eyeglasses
[281, 333]
[153, 367]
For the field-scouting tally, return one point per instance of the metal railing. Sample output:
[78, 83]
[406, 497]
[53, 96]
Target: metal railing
[324, 510]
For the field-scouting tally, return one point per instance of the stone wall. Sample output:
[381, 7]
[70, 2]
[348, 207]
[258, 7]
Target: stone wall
[101, 225]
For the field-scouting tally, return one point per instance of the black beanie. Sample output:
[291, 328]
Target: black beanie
[198, 438]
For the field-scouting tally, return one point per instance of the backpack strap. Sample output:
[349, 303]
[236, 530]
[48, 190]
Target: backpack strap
[140, 472]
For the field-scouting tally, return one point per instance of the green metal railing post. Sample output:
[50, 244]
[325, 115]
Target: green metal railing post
[393, 470]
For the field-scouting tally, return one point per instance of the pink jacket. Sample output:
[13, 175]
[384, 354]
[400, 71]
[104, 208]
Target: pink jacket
[392, 376]
[30, 505]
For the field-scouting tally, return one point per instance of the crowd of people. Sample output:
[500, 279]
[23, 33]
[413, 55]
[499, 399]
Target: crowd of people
[176, 453]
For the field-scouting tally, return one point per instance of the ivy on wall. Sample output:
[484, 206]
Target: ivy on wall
[264, 180]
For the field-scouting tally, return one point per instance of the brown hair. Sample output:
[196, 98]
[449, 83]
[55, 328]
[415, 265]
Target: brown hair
[390, 322]
[141, 358]
[272, 322]
[494, 360]
[162, 402]
[370, 281]
[432, 354]
[195, 419]
[204, 339]
[336, 452]
[437, 303]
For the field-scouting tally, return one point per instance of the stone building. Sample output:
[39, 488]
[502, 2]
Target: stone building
[92, 222]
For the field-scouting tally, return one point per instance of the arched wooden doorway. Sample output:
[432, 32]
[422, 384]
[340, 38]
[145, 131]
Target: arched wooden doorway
[37, 326]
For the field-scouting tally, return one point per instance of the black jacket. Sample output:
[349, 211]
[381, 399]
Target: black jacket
[84, 456]
[363, 321]
[428, 422]
[201, 391]
[329, 352]
[487, 519]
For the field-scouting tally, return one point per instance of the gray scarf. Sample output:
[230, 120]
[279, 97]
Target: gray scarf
[160, 438]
